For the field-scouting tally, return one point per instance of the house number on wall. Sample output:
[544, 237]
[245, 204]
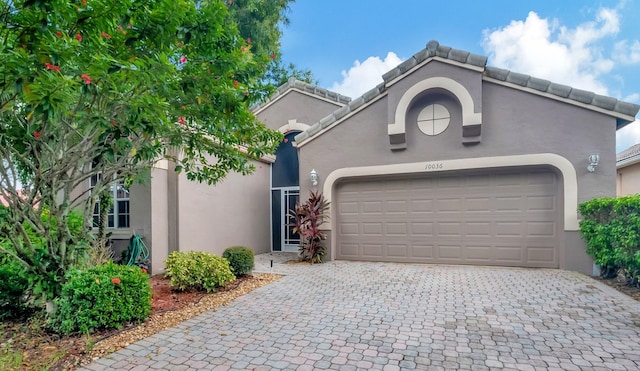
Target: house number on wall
[434, 166]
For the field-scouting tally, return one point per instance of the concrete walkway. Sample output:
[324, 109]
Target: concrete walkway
[360, 316]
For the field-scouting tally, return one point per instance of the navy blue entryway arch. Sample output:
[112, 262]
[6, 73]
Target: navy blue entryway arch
[285, 193]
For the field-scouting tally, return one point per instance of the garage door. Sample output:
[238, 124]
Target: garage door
[504, 218]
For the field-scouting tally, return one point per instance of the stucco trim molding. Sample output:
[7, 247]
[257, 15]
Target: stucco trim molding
[471, 120]
[293, 125]
[565, 167]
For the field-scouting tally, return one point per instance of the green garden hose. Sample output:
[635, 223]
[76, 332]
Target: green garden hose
[137, 250]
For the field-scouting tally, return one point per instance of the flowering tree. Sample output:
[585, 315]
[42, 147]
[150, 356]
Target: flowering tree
[103, 89]
[255, 19]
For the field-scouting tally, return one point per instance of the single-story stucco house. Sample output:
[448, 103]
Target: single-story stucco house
[628, 171]
[447, 161]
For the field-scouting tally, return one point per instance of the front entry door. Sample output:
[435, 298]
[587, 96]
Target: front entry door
[289, 198]
[285, 192]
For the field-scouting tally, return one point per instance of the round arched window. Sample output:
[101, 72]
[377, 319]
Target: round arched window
[434, 119]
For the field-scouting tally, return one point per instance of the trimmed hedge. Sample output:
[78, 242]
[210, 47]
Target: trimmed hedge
[198, 271]
[611, 228]
[240, 259]
[106, 296]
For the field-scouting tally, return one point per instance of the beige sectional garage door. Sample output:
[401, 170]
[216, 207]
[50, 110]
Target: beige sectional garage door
[509, 219]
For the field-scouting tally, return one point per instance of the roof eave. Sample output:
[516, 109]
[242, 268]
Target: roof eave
[622, 118]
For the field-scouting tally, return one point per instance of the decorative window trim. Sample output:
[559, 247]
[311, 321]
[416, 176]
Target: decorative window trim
[471, 120]
[116, 214]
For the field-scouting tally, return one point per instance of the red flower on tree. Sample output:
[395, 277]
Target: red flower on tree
[181, 120]
[59, 34]
[248, 40]
[36, 134]
[78, 37]
[115, 281]
[235, 83]
[273, 56]
[106, 35]
[183, 59]
[52, 67]
[86, 78]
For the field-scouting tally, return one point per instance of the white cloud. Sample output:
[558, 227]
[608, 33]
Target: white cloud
[542, 48]
[633, 98]
[628, 136]
[365, 76]
[576, 56]
[627, 54]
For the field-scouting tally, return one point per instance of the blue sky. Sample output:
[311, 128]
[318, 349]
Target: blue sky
[592, 45]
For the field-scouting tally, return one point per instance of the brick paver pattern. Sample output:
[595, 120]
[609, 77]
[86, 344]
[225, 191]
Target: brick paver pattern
[384, 316]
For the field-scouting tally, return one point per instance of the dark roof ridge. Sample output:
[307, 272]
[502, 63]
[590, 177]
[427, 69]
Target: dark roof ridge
[434, 49]
[562, 91]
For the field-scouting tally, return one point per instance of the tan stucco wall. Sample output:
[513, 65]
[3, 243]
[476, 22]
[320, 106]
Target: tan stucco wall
[233, 212]
[159, 219]
[628, 180]
[298, 106]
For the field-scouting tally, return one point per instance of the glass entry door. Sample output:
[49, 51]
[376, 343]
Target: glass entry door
[289, 198]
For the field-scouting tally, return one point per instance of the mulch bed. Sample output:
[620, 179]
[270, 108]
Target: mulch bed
[42, 350]
[632, 291]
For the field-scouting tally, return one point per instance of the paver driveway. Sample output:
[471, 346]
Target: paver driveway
[346, 315]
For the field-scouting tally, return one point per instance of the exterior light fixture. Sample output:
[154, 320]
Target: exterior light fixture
[593, 162]
[313, 175]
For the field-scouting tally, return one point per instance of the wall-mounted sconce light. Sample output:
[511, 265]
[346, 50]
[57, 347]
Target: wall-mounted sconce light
[593, 162]
[313, 175]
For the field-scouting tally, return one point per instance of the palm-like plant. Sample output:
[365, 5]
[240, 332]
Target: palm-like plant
[308, 217]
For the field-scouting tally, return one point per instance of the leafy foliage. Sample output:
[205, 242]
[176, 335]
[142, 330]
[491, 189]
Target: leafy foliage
[611, 228]
[13, 289]
[117, 84]
[308, 217]
[240, 259]
[45, 283]
[106, 296]
[195, 270]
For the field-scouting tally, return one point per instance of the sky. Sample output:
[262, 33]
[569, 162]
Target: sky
[586, 44]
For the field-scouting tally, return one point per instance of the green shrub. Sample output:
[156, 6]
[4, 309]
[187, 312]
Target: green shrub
[240, 259]
[611, 228]
[106, 296]
[198, 271]
[13, 288]
[43, 273]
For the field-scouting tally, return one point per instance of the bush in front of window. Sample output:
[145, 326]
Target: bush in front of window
[240, 258]
[103, 297]
[198, 271]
